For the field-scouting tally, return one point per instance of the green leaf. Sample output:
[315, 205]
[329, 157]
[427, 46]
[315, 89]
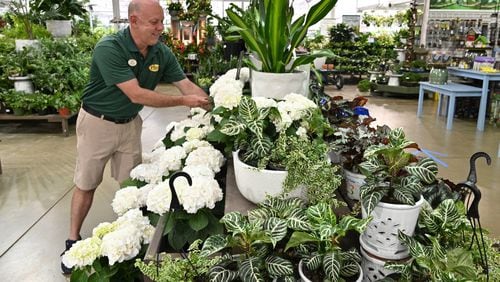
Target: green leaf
[234, 222]
[277, 229]
[278, 267]
[299, 223]
[79, 275]
[213, 244]
[220, 274]
[232, 127]
[198, 221]
[371, 200]
[248, 109]
[314, 262]
[404, 196]
[260, 213]
[426, 170]
[299, 238]
[331, 266]
[249, 270]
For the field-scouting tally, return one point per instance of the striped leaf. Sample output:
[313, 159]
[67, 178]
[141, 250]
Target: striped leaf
[371, 200]
[447, 212]
[299, 238]
[220, 274]
[278, 267]
[261, 147]
[396, 136]
[299, 223]
[232, 127]
[213, 244]
[260, 213]
[352, 223]
[404, 196]
[371, 165]
[247, 109]
[320, 213]
[431, 222]
[249, 270]
[349, 268]
[416, 249]
[426, 170]
[412, 185]
[276, 228]
[331, 266]
[234, 222]
[314, 262]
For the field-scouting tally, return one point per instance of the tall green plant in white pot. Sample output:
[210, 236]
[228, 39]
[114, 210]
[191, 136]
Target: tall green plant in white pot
[271, 34]
[392, 194]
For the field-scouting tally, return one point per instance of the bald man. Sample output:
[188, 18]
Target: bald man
[126, 68]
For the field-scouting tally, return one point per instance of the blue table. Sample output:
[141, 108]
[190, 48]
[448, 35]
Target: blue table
[486, 78]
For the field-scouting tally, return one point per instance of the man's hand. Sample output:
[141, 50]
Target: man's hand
[194, 101]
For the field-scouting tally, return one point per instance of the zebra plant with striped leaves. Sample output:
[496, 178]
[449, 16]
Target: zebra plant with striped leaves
[268, 31]
[394, 175]
[322, 238]
[256, 239]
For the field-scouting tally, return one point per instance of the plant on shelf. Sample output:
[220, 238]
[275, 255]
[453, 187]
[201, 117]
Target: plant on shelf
[175, 8]
[194, 267]
[326, 259]
[393, 174]
[268, 29]
[59, 9]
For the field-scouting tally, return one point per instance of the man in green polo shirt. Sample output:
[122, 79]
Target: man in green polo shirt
[126, 68]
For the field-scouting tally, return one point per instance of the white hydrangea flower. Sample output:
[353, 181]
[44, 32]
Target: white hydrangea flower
[159, 198]
[244, 74]
[228, 96]
[143, 195]
[217, 118]
[179, 130]
[125, 199]
[208, 156]
[122, 244]
[150, 173]
[103, 228]
[154, 155]
[82, 253]
[301, 132]
[284, 122]
[195, 133]
[171, 159]
[204, 192]
[189, 146]
[202, 117]
[263, 102]
[199, 171]
[141, 222]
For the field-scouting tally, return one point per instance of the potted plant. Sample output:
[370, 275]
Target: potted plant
[20, 66]
[392, 193]
[274, 49]
[192, 268]
[58, 15]
[250, 242]
[66, 103]
[175, 8]
[326, 259]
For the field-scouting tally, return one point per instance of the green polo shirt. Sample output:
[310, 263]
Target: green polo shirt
[116, 59]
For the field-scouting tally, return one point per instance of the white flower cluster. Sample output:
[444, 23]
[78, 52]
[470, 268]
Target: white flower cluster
[227, 91]
[119, 241]
[204, 192]
[195, 127]
[293, 107]
[208, 156]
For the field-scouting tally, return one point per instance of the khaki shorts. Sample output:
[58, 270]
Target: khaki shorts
[100, 140]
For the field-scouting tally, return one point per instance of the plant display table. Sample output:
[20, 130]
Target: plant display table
[49, 118]
[452, 90]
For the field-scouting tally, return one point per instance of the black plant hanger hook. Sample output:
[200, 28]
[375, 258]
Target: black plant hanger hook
[175, 205]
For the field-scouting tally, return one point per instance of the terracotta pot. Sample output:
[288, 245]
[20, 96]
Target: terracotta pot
[64, 111]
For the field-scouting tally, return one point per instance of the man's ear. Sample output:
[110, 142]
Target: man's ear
[133, 19]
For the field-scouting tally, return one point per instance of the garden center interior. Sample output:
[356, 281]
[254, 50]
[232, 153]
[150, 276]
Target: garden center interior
[408, 58]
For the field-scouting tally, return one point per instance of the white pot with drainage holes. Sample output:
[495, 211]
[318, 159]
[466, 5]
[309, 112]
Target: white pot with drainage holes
[374, 267]
[381, 235]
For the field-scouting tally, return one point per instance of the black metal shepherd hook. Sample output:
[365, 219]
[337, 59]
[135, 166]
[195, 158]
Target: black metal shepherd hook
[472, 204]
[175, 205]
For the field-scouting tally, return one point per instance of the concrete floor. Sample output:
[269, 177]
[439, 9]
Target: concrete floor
[38, 163]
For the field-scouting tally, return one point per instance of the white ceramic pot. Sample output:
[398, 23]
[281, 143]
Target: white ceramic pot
[59, 28]
[374, 75]
[353, 182]
[23, 84]
[373, 268]
[21, 43]
[401, 54]
[278, 85]
[394, 79]
[381, 235]
[319, 62]
[304, 278]
[255, 184]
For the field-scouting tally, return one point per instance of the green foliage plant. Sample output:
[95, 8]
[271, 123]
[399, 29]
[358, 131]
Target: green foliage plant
[58, 9]
[268, 29]
[323, 234]
[438, 251]
[393, 174]
[364, 85]
[253, 239]
[192, 268]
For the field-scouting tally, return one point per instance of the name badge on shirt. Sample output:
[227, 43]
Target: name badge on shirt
[154, 67]
[132, 62]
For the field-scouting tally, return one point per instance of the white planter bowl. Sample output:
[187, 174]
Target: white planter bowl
[59, 28]
[278, 85]
[23, 84]
[373, 268]
[255, 184]
[353, 181]
[381, 235]
[304, 278]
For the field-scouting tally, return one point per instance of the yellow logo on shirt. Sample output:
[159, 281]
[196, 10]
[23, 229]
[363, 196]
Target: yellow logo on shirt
[154, 67]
